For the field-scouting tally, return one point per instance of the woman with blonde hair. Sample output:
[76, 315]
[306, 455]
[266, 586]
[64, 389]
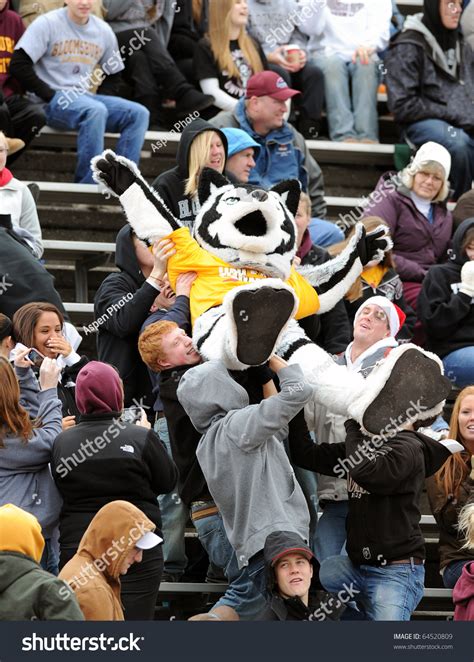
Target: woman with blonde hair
[27, 434]
[227, 56]
[202, 145]
[378, 278]
[413, 204]
[452, 487]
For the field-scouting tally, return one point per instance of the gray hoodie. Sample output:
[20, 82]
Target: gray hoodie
[242, 455]
[25, 477]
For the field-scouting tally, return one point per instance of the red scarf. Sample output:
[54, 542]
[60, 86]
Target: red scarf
[306, 245]
[5, 176]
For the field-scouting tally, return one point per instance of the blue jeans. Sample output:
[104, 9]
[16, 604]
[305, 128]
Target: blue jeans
[50, 559]
[389, 593]
[458, 143]
[459, 366]
[324, 233]
[241, 593]
[331, 535]
[348, 117]
[453, 571]
[174, 517]
[92, 115]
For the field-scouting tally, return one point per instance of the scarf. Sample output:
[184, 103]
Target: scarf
[305, 245]
[5, 177]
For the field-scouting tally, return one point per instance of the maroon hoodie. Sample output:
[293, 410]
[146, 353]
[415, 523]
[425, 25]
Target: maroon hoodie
[11, 29]
[463, 595]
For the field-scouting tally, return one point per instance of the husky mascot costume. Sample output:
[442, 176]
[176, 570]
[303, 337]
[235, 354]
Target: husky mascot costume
[247, 291]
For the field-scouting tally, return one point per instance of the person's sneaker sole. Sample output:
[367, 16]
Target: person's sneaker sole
[259, 317]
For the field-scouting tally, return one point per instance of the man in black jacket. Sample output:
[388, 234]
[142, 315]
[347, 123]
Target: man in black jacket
[430, 82]
[121, 305]
[385, 479]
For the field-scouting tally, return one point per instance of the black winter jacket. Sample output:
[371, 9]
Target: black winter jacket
[419, 84]
[446, 313]
[103, 459]
[384, 487]
[171, 184]
[121, 305]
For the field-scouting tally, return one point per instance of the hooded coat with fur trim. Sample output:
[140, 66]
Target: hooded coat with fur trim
[94, 571]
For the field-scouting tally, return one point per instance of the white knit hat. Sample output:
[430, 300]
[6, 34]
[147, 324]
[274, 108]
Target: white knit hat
[431, 151]
[395, 315]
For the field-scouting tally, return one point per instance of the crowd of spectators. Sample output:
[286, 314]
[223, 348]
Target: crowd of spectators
[103, 464]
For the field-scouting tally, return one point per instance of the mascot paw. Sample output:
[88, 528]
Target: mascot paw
[259, 316]
[374, 244]
[116, 173]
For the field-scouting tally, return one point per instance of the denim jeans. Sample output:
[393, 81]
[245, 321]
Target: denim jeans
[387, 593]
[331, 534]
[174, 517]
[453, 571]
[92, 115]
[50, 559]
[459, 366]
[324, 233]
[348, 117]
[458, 143]
[241, 593]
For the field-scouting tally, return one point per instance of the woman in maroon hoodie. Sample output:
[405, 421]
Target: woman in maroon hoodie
[413, 205]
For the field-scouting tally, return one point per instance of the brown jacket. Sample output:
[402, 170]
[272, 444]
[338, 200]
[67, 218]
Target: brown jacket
[94, 571]
[446, 512]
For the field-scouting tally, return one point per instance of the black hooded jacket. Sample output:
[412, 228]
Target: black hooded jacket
[121, 305]
[384, 487]
[279, 608]
[420, 84]
[171, 184]
[446, 313]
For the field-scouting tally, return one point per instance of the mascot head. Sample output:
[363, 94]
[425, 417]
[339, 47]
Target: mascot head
[247, 226]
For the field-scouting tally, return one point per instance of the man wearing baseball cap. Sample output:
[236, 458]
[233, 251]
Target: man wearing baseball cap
[284, 153]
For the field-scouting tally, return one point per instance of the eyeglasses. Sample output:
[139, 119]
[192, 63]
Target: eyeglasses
[427, 175]
[379, 315]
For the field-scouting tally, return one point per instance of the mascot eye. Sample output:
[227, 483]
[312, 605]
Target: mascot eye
[232, 201]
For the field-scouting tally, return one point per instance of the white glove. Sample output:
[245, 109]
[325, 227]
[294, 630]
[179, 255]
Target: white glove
[467, 279]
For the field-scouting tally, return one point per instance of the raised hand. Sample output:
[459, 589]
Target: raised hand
[107, 169]
[373, 245]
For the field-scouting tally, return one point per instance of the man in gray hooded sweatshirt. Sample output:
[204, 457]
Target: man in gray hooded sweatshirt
[243, 458]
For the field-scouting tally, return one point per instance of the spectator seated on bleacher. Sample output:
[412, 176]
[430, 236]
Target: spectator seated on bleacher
[41, 326]
[113, 542]
[103, 458]
[284, 153]
[451, 488]
[379, 277]
[27, 592]
[56, 58]
[26, 450]
[148, 64]
[17, 202]
[286, 49]
[385, 479]
[19, 117]
[201, 146]
[413, 204]
[446, 307]
[345, 39]
[242, 151]
[430, 85]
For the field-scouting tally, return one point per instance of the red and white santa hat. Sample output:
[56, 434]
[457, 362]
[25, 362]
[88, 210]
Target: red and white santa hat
[395, 315]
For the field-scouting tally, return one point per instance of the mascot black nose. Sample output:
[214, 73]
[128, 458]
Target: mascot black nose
[259, 195]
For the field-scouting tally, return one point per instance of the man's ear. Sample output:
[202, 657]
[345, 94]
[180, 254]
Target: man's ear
[289, 190]
[209, 181]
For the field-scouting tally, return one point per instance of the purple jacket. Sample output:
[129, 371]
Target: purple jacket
[418, 244]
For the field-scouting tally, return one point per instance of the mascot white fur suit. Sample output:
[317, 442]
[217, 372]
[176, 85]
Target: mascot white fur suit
[247, 291]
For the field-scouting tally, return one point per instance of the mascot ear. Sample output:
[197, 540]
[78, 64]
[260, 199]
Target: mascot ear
[209, 181]
[289, 190]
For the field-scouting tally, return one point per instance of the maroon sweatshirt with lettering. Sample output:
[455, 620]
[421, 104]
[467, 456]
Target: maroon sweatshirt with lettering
[11, 29]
